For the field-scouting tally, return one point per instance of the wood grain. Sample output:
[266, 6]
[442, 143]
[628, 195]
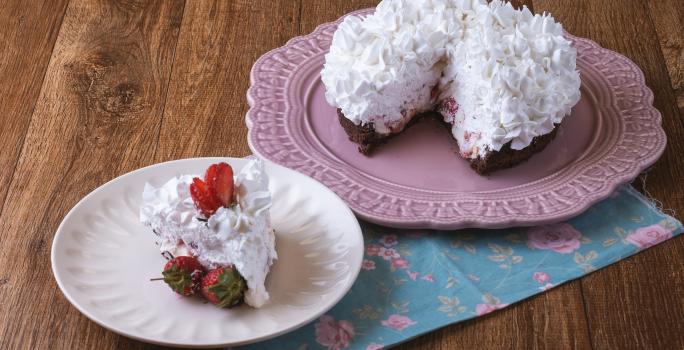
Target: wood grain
[27, 35]
[628, 304]
[315, 13]
[206, 105]
[96, 117]
[668, 19]
[131, 83]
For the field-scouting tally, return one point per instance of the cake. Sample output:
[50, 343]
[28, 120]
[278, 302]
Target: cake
[501, 79]
[222, 221]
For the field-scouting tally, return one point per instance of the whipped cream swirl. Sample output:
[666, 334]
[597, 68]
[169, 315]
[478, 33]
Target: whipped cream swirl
[240, 235]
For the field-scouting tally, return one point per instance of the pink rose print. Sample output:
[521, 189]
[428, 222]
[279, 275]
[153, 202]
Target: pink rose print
[389, 240]
[412, 275]
[400, 263]
[547, 286]
[428, 278]
[541, 277]
[368, 264]
[483, 309]
[335, 335]
[373, 249]
[561, 238]
[398, 322]
[645, 237]
[388, 253]
[374, 346]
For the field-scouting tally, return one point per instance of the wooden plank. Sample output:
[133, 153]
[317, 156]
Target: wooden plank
[206, 105]
[637, 303]
[27, 34]
[315, 13]
[520, 3]
[97, 115]
[668, 20]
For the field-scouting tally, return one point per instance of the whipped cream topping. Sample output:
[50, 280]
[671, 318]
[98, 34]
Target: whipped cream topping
[381, 69]
[514, 78]
[240, 235]
[506, 75]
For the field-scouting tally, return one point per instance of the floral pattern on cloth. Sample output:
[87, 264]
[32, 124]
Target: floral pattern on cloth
[413, 282]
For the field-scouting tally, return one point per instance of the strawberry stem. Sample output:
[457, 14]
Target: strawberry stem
[157, 279]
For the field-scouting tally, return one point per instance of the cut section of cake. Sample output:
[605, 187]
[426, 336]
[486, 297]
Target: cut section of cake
[502, 79]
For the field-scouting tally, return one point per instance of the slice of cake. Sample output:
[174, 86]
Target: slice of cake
[221, 220]
[502, 79]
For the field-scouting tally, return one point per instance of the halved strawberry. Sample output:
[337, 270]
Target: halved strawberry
[210, 175]
[219, 179]
[204, 199]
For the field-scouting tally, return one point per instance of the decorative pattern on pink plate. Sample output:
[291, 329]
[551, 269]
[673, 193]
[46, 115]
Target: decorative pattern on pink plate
[415, 181]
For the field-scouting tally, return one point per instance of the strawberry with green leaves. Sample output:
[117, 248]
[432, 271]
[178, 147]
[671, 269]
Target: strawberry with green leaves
[224, 287]
[183, 274]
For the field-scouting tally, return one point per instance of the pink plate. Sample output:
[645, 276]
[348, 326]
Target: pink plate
[417, 181]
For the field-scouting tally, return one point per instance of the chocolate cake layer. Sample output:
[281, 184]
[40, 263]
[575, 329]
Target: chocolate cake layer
[367, 139]
[507, 157]
[365, 135]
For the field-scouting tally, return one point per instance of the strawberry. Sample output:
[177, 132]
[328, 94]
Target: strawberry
[210, 175]
[224, 287]
[203, 198]
[219, 179]
[215, 191]
[183, 274]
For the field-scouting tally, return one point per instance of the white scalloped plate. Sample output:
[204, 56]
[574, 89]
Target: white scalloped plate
[103, 258]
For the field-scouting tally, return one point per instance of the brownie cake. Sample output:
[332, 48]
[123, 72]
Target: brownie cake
[501, 79]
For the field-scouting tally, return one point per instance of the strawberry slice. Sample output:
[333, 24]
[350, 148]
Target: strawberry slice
[210, 175]
[203, 198]
[219, 179]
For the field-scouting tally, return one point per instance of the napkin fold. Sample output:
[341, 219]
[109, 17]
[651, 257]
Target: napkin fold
[413, 282]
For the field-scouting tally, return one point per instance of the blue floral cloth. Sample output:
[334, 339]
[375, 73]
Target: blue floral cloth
[413, 282]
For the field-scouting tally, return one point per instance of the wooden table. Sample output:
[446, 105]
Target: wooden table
[90, 90]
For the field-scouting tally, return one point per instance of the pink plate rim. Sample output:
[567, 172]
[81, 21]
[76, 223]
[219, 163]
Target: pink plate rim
[636, 141]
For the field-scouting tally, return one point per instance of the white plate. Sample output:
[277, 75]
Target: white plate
[103, 258]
